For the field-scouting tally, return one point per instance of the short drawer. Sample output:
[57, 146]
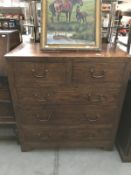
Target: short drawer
[85, 72]
[69, 95]
[52, 134]
[31, 74]
[68, 115]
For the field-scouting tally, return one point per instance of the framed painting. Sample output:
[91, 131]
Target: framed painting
[71, 25]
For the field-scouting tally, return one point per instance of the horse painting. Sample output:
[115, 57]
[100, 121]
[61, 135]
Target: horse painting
[59, 6]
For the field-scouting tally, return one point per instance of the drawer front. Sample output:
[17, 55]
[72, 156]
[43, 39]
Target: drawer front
[65, 134]
[98, 72]
[68, 115]
[69, 95]
[39, 74]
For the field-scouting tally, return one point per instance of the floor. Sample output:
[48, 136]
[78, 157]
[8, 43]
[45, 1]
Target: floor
[60, 162]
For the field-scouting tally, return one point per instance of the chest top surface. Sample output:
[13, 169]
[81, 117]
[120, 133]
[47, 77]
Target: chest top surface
[33, 51]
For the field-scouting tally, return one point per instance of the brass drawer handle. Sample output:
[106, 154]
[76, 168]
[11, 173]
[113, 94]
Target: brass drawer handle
[97, 99]
[43, 138]
[43, 120]
[91, 119]
[43, 75]
[44, 99]
[93, 75]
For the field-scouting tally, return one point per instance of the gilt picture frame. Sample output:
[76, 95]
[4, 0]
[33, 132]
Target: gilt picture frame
[71, 25]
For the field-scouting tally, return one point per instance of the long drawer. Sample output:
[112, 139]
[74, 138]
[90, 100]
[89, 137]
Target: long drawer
[87, 72]
[67, 115]
[65, 134]
[69, 95]
[31, 74]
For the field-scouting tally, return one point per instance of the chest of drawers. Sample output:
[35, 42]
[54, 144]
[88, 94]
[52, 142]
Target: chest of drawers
[67, 99]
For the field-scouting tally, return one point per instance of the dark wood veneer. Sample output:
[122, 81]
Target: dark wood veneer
[67, 99]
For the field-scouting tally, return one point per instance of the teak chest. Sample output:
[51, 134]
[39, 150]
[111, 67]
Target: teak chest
[67, 99]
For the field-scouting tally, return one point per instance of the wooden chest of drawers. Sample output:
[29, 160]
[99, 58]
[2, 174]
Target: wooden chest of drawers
[67, 99]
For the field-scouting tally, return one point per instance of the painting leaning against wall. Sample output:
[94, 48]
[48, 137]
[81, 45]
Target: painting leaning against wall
[70, 24]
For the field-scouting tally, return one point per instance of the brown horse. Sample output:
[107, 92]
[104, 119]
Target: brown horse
[80, 15]
[58, 6]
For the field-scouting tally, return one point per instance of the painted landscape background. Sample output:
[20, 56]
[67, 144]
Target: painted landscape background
[73, 32]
